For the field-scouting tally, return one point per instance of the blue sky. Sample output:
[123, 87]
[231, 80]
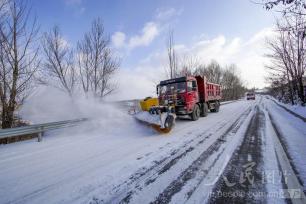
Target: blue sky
[230, 29]
[199, 16]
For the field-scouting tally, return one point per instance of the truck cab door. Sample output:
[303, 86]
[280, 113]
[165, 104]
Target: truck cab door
[192, 94]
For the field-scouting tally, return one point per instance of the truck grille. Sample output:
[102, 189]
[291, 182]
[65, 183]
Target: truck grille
[172, 100]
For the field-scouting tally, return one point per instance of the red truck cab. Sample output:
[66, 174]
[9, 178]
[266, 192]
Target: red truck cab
[191, 95]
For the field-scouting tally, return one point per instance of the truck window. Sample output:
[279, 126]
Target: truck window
[194, 85]
[179, 87]
[189, 86]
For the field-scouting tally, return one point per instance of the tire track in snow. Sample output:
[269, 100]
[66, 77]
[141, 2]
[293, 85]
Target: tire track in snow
[290, 150]
[147, 175]
[195, 168]
[284, 145]
[285, 160]
[248, 154]
[102, 193]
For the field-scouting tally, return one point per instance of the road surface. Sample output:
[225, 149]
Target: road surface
[249, 152]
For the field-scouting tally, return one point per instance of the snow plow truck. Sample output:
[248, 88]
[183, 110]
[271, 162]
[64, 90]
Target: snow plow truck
[184, 96]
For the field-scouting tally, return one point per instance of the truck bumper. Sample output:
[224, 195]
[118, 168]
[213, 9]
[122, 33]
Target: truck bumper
[180, 110]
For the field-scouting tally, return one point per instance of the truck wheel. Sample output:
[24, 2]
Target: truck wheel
[169, 122]
[195, 113]
[204, 111]
[217, 107]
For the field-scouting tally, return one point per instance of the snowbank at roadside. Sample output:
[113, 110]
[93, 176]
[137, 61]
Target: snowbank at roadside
[293, 132]
[298, 109]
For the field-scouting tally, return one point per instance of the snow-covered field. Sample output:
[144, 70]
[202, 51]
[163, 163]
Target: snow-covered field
[114, 159]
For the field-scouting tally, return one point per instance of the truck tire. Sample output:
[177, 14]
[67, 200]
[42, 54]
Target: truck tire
[217, 107]
[169, 122]
[195, 113]
[204, 111]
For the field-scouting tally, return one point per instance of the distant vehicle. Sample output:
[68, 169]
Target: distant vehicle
[250, 96]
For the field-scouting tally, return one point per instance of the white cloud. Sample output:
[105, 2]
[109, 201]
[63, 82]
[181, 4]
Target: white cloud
[218, 48]
[118, 39]
[64, 43]
[165, 14]
[76, 5]
[148, 34]
[261, 35]
[248, 54]
[134, 84]
[73, 2]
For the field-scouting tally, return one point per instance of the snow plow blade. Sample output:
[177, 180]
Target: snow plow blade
[160, 118]
[162, 122]
[161, 130]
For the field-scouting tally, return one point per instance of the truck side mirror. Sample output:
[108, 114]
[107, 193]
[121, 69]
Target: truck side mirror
[157, 90]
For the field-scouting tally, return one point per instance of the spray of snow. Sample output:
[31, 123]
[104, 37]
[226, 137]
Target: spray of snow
[50, 104]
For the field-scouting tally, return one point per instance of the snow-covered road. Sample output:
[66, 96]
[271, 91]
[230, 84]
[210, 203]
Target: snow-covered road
[114, 159]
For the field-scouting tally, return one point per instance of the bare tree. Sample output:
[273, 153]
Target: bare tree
[59, 68]
[188, 65]
[172, 69]
[18, 58]
[85, 63]
[280, 66]
[287, 54]
[3, 9]
[213, 71]
[97, 64]
[232, 85]
[289, 6]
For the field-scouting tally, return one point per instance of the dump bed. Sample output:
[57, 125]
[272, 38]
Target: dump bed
[208, 91]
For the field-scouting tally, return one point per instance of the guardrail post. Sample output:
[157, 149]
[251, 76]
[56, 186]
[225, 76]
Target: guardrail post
[40, 134]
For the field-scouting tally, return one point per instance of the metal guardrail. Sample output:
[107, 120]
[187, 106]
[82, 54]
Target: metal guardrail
[39, 128]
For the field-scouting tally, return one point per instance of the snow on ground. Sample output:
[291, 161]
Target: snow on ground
[75, 162]
[273, 175]
[293, 131]
[113, 157]
[221, 158]
[298, 109]
[301, 110]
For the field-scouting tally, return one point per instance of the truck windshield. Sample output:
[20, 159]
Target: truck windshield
[173, 88]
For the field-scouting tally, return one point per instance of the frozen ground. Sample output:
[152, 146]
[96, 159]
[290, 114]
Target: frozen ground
[114, 159]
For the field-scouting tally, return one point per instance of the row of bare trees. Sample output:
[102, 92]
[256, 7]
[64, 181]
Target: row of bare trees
[28, 58]
[287, 54]
[232, 85]
[228, 76]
